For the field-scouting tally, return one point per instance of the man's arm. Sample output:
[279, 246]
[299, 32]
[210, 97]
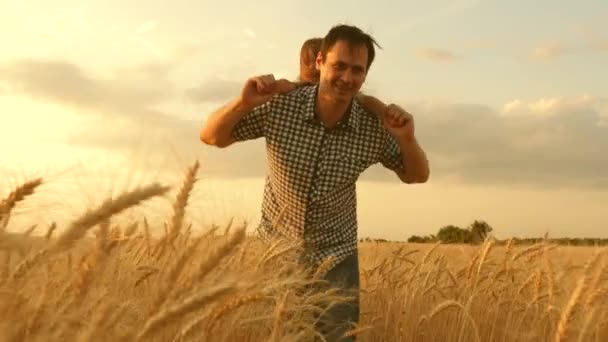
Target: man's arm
[402, 153]
[244, 117]
[218, 131]
[416, 163]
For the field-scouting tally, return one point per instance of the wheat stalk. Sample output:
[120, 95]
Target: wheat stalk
[192, 303]
[278, 316]
[486, 250]
[205, 267]
[108, 208]
[562, 326]
[456, 305]
[166, 291]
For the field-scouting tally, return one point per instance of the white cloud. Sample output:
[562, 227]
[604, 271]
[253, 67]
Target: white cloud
[436, 55]
[214, 90]
[557, 105]
[543, 106]
[250, 33]
[548, 51]
[552, 141]
[548, 106]
[591, 43]
[556, 140]
[512, 106]
[146, 27]
[601, 46]
[132, 91]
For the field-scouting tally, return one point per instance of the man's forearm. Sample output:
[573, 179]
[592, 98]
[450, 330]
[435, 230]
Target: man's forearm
[415, 161]
[218, 129]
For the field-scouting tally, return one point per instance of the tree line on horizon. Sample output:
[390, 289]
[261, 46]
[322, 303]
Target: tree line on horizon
[477, 232]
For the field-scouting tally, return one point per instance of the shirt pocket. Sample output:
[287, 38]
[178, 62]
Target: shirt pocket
[356, 163]
[345, 168]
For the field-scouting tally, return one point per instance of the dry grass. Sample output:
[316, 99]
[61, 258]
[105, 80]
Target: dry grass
[100, 280]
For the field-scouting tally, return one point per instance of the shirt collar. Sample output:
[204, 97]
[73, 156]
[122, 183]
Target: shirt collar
[351, 119]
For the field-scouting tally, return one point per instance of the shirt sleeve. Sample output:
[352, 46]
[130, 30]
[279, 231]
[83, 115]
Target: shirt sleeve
[391, 154]
[253, 124]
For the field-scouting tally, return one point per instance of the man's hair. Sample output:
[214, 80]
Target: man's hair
[310, 45]
[353, 36]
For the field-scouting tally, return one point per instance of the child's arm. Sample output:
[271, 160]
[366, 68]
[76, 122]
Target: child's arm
[286, 86]
[372, 104]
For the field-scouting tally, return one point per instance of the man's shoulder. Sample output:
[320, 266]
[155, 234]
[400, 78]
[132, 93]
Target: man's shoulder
[304, 90]
[362, 111]
[298, 96]
[367, 118]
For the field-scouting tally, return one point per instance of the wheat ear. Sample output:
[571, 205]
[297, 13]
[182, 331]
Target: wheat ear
[181, 201]
[17, 195]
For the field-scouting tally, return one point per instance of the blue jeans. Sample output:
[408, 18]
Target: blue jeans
[340, 318]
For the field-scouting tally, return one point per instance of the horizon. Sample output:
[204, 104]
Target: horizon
[510, 105]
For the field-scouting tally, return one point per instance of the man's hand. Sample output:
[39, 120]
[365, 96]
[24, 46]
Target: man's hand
[399, 123]
[257, 90]
[261, 89]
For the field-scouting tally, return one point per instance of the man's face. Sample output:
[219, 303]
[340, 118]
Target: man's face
[344, 70]
[308, 68]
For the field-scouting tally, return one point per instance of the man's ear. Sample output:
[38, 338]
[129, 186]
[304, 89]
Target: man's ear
[319, 61]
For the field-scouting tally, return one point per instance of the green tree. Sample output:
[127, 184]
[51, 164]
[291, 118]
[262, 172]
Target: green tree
[479, 231]
[417, 239]
[453, 234]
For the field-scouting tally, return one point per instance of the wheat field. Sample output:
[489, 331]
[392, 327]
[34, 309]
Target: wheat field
[103, 279]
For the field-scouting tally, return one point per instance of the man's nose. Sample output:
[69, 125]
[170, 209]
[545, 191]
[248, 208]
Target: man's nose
[347, 76]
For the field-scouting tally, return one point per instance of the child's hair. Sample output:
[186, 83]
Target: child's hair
[308, 55]
[310, 47]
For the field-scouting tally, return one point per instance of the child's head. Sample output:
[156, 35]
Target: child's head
[308, 54]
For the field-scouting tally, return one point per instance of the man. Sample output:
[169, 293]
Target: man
[318, 141]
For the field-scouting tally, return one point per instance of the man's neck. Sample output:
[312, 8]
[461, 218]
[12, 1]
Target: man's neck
[329, 111]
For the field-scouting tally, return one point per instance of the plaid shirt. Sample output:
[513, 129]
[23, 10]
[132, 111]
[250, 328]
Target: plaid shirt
[310, 191]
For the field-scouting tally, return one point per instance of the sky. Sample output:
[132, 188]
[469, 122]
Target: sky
[510, 101]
